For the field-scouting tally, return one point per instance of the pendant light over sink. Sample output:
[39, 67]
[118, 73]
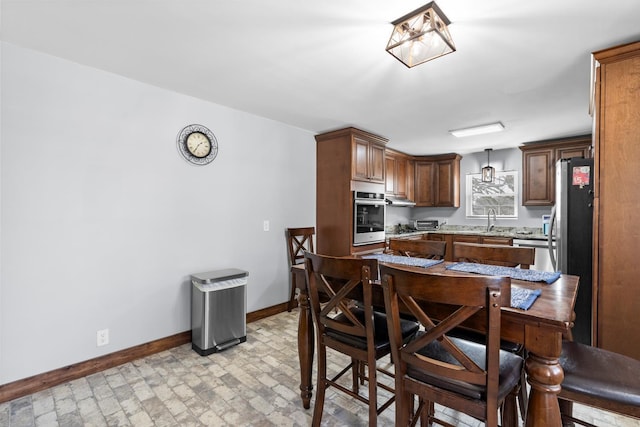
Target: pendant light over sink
[420, 36]
[488, 172]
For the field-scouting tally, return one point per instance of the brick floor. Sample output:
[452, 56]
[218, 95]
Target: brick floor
[255, 383]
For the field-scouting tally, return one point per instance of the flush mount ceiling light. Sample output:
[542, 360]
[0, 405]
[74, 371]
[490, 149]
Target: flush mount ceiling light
[488, 172]
[421, 36]
[477, 130]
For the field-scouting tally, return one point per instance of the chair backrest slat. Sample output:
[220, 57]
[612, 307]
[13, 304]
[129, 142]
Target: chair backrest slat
[422, 248]
[299, 240]
[510, 256]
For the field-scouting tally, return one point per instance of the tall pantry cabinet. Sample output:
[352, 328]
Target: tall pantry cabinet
[346, 159]
[617, 199]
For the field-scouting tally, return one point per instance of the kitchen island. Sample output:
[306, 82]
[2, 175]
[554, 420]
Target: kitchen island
[473, 234]
[529, 233]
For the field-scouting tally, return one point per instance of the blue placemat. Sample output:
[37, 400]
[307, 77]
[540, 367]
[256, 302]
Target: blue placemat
[524, 298]
[405, 260]
[514, 273]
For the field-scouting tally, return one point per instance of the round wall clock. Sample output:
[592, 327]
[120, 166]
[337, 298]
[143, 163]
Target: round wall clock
[197, 144]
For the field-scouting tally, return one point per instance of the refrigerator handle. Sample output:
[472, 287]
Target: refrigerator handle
[550, 238]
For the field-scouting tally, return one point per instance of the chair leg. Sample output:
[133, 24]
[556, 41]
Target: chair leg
[509, 410]
[292, 297]
[373, 391]
[427, 413]
[322, 386]
[357, 374]
[566, 412]
[523, 398]
[403, 407]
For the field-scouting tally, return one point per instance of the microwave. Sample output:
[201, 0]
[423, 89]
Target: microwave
[426, 224]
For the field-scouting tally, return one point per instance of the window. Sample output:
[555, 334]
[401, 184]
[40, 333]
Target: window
[501, 195]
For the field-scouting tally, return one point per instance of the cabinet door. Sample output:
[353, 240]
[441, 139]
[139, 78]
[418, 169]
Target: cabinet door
[424, 184]
[434, 236]
[447, 187]
[401, 177]
[538, 182]
[497, 241]
[576, 151]
[411, 173]
[390, 175]
[538, 167]
[376, 163]
[360, 159]
[467, 239]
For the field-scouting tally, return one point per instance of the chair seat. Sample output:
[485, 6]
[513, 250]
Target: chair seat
[600, 373]
[478, 337]
[510, 368]
[408, 328]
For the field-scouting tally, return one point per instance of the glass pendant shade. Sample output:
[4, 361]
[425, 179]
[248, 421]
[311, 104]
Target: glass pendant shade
[421, 36]
[488, 172]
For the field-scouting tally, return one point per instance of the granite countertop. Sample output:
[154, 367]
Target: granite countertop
[514, 232]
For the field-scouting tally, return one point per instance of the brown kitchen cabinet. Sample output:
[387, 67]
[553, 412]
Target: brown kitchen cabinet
[344, 157]
[616, 287]
[437, 180]
[495, 240]
[450, 239]
[368, 157]
[538, 166]
[398, 175]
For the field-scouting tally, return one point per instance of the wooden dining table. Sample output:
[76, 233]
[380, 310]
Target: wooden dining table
[540, 329]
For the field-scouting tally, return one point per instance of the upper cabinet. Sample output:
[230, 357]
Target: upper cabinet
[399, 174]
[437, 180]
[368, 157]
[538, 166]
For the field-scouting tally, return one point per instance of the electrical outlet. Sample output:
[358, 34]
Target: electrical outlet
[265, 225]
[102, 337]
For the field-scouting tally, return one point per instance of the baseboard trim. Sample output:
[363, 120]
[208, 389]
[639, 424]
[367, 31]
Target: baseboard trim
[36, 383]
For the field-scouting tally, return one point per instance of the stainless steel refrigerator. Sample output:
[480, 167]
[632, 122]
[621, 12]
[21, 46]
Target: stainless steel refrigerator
[572, 230]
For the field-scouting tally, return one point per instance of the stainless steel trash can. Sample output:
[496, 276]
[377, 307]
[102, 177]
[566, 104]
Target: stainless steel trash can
[218, 310]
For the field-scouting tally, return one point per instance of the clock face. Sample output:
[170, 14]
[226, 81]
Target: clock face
[197, 144]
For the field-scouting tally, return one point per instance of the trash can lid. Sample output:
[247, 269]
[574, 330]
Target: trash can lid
[218, 275]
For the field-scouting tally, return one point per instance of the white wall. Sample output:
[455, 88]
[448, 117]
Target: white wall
[102, 221]
[502, 160]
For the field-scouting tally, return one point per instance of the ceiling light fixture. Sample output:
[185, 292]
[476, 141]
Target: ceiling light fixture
[421, 36]
[478, 130]
[488, 172]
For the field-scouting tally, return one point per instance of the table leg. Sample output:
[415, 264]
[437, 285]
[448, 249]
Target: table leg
[305, 347]
[545, 376]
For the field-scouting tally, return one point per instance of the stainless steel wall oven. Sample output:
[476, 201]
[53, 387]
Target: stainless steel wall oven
[368, 218]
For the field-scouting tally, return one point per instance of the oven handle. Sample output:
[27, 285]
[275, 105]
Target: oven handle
[369, 202]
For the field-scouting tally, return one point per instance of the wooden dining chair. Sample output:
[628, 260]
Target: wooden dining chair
[432, 249]
[356, 330]
[598, 378]
[299, 241]
[463, 375]
[509, 256]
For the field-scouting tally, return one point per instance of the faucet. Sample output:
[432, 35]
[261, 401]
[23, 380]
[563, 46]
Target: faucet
[489, 224]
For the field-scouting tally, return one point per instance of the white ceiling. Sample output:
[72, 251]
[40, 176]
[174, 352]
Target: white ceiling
[322, 65]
